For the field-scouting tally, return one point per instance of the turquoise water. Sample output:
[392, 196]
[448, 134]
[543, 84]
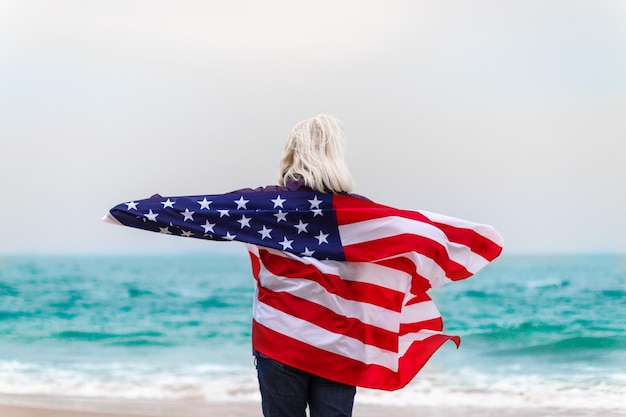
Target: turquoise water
[536, 331]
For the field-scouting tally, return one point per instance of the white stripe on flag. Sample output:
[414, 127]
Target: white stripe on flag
[414, 313]
[482, 229]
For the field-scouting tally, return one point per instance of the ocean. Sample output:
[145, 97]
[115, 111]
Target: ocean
[536, 331]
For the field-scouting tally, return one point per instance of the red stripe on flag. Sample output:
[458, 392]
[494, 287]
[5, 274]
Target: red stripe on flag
[433, 324]
[478, 243]
[256, 265]
[352, 210]
[350, 290]
[327, 319]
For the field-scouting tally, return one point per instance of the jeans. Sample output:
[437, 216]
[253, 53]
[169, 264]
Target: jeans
[286, 391]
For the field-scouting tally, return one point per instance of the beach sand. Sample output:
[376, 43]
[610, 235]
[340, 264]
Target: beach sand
[56, 407]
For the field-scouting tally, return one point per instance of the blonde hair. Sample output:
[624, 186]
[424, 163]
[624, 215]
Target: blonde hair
[314, 152]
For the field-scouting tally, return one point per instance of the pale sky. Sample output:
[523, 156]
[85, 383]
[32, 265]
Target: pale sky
[510, 113]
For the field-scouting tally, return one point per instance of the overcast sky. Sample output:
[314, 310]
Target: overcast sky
[510, 113]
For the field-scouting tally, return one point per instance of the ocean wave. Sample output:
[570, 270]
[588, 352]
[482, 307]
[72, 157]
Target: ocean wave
[548, 282]
[617, 294]
[568, 348]
[136, 292]
[141, 342]
[218, 302]
[478, 294]
[98, 336]
[8, 290]
[524, 330]
[12, 315]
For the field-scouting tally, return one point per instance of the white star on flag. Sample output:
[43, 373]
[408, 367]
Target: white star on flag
[188, 214]
[229, 236]
[286, 243]
[265, 232]
[187, 234]
[241, 203]
[223, 213]
[208, 227]
[204, 203]
[280, 216]
[165, 230]
[244, 221]
[278, 202]
[301, 226]
[315, 203]
[132, 205]
[322, 237]
[151, 216]
[307, 252]
[168, 203]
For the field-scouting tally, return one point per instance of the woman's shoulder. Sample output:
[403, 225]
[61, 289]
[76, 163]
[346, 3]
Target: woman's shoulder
[291, 185]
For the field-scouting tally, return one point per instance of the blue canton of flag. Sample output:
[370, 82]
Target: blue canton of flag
[302, 223]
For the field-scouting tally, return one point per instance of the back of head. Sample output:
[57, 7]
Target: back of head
[314, 152]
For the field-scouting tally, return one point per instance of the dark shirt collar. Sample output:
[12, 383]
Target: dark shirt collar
[296, 185]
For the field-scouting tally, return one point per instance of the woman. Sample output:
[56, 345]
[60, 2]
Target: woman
[313, 160]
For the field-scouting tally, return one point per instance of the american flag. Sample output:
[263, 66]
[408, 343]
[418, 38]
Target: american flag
[341, 281]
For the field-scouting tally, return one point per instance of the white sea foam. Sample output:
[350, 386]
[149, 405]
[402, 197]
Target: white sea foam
[128, 381]
[480, 390]
[213, 383]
